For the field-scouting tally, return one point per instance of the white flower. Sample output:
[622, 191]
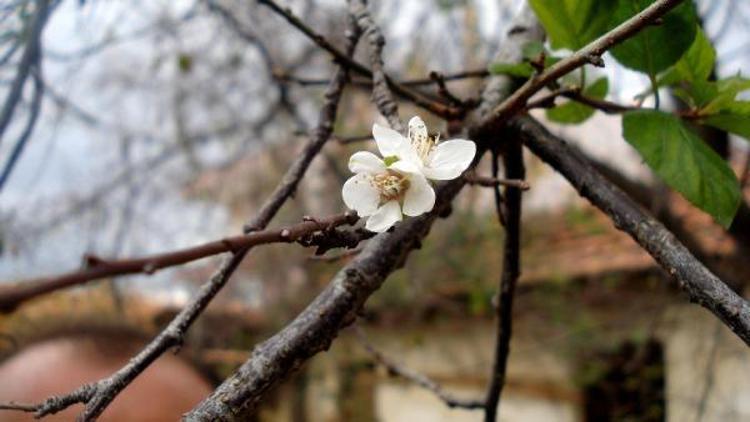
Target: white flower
[435, 160]
[383, 192]
[384, 189]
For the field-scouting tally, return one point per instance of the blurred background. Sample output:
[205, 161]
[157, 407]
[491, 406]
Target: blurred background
[160, 124]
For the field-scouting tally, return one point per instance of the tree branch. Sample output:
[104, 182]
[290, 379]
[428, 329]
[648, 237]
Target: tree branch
[12, 295]
[590, 54]
[731, 267]
[381, 93]
[605, 106]
[514, 169]
[36, 105]
[415, 377]
[30, 56]
[448, 77]
[700, 284]
[317, 326]
[343, 59]
[492, 182]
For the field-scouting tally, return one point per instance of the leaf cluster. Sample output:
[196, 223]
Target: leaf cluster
[674, 54]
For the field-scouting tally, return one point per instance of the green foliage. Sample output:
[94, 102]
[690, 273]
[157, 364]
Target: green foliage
[735, 123]
[573, 23]
[573, 112]
[684, 161]
[517, 70]
[185, 62]
[716, 104]
[721, 96]
[714, 97]
[655, 48]
[695, 66]
[531, 51]
[714, 101]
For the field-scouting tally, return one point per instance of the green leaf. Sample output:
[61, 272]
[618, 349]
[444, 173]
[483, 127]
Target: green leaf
[518, 70]
[655, 48]
[719, 107]
[532, 50]
[185, 62]
[734, 118]
[722, 93]
[573, 23]
[734, 123]
[573, 112]
[684, 161]
[695, 66]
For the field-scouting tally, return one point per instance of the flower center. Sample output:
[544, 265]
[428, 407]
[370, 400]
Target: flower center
[391, 185]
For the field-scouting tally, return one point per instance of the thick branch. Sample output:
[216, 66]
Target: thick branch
[336, 307]
[514, 169]
[318, 325]
[700, 284]
[11, 295]
[731, 268]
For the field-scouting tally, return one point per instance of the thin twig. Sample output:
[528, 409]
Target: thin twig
[448, 77]
[415, 377]
[491, 182]
[12, 295]
[548, 100]
[514, 169]
[608, 107]
[381, 92]
[333, 258]
[342, 58]
[30, 56]
[700, 284]
[23, 139]
[344, 140]
[444, 92]
[710, 373]
[18, 406]
[497, 194]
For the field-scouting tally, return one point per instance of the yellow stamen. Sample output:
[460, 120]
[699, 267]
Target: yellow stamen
[391, 185]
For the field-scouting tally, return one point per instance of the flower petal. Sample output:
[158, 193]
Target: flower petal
[417, 130]
[365, 162]
[450, 159]
[389, 141]
[360, 195]
[405, 166]
[385, 217]
[420, 197]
